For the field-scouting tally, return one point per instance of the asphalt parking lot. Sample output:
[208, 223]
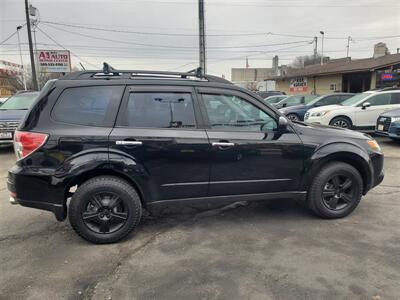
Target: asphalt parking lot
[266, 250]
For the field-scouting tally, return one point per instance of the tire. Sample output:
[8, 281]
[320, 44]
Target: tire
[329, 200]
[342, 122]
[293, 117]
[105, 209]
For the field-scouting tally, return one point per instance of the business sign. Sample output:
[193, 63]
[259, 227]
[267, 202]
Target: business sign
[54, 61]
[387, 76]
[298, 84]
[10, 68]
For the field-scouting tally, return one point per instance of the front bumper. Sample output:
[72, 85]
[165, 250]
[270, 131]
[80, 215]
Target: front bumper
[36, 191]
[316, 120]
[376, 166]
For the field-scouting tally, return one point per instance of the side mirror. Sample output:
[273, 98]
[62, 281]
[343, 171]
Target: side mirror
[365, 105]
[282, 124]
[284, 104]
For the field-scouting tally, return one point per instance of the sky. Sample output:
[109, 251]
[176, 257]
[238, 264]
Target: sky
[163, 34]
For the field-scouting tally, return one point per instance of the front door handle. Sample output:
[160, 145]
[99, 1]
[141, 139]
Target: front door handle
[129, 143]
[222, 144]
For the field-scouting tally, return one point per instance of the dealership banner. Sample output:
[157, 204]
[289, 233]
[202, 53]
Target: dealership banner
[54, 61]
[298, 84]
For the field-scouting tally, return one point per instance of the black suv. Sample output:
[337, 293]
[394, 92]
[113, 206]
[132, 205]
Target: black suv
[117, 142]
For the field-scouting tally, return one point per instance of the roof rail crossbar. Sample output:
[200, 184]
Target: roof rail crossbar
[109, 72]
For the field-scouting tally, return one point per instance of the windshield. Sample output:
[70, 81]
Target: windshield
[355, 99]
[312, 102]
[19, 102]
[274, 99]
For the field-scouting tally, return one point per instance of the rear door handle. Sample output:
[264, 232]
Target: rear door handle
[222, 144]
[128, 143]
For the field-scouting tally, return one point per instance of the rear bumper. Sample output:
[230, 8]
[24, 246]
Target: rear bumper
[36, 191]
[6, 142]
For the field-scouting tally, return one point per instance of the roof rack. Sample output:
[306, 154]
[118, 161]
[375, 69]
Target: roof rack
[392, 88]
[109, 72]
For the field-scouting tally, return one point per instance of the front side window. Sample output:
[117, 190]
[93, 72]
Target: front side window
[382, 99]
[160, 110]
[395, 99]
[88, 106]
[293, 100]
[227, 112]
[329, 100]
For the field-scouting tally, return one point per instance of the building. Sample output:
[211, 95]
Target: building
[344, 75]
[9, 78]
[252, 78]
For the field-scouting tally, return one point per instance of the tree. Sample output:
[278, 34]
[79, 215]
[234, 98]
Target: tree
[307, 60]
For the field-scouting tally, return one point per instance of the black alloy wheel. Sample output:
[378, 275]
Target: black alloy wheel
[335, 191]
[338, 192]
[105, 209]
[105, 213]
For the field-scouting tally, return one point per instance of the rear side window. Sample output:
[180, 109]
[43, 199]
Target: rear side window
[89, 106]
[160, 110]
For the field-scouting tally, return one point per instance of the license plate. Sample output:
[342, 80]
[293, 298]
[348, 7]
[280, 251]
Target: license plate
[380, 127]
[5, 135]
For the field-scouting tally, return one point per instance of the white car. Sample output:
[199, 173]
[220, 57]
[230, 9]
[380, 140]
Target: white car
[358, 112]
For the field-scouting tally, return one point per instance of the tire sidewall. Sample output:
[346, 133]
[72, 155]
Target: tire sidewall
[348, 122]
[294, 115]
[79, 202]
[332, 170]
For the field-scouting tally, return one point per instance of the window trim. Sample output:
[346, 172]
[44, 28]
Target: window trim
[122, 113]
[111, 114]
[219, 91]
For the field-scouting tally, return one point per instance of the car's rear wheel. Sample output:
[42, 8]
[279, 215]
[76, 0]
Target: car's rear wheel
[105, 209]
[293, 117]
[342, 122]
[336, 191]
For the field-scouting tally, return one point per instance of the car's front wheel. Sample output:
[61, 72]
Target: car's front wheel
[336, 191]
[342, 122]
[293, 117]
[105, 209]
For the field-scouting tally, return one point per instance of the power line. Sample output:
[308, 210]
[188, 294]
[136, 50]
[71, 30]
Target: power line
[49, 37]
[80, 26]
[9, 37]
[146, 32]
[169, 46]
[266, 4]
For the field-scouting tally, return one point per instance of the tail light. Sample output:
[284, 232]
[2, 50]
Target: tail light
[26, 143]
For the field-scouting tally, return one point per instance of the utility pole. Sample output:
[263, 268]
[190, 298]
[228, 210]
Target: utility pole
[348, 45]
[28, 26]
[20, 56]
[315, 49]
[322, 47]
[202, 39]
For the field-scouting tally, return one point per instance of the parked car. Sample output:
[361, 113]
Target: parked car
[297, 112]
[274, 99]
[2, 100]
[265, 94]
[388, 124]
[123, 141]
[358, 112]
[11, 112]
[294, 100]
